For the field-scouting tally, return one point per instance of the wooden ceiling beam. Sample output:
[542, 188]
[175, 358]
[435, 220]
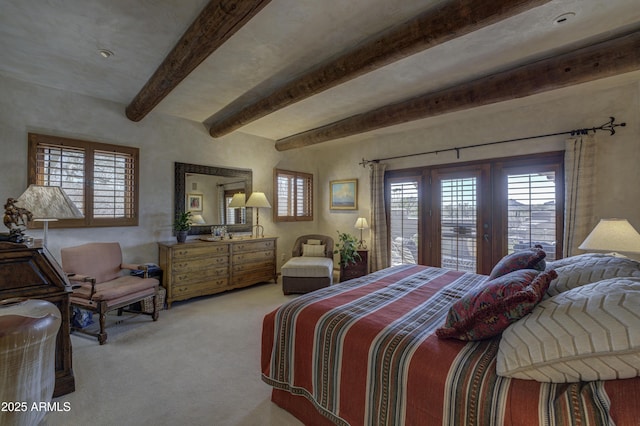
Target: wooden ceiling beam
[606, 59]
[445, 22]
[217, 22]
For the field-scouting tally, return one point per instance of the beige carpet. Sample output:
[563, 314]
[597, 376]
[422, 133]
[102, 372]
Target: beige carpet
[199, 364]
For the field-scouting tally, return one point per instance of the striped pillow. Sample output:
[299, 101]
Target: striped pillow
[586, 269]
[313, 250]
[588, 333]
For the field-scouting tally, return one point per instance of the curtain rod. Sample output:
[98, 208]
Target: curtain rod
[609, 126]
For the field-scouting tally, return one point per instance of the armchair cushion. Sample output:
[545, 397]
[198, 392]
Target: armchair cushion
[308, 267]
[125, 285]
[100, 260]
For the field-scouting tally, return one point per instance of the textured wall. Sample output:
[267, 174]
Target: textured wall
[163, 140]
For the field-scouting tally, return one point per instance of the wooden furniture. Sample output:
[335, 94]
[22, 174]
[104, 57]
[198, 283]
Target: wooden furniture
[198, 268]
[359, 269]
[33, 273]
[308, 269]
[95, 269]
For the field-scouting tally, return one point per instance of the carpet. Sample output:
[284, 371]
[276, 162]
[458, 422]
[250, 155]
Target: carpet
[199, 364]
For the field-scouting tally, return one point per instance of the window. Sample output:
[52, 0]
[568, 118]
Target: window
[404, 213]
[101, 179]
[294, 196]
[531, 211]
[466, 217]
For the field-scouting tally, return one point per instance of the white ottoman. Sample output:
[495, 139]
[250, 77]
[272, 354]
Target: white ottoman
[304, 274]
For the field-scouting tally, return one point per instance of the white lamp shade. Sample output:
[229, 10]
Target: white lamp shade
[197, 219]
[615, 235]
[237, 201]
[361, 223]
[48, 202]
[258, 199]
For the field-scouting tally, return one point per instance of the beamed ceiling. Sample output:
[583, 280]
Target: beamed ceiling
[302, 72]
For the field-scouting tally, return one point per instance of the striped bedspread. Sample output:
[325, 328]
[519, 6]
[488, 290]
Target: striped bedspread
[364, 352]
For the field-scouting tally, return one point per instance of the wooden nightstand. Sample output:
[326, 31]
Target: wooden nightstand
[359, 269]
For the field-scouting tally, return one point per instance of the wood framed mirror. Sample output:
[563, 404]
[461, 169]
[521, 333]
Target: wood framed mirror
[206, 191]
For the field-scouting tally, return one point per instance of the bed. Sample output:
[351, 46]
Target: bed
[366, 352]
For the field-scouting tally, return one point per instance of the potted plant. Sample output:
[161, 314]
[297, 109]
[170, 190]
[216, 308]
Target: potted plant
[347, 247]
[182, 225]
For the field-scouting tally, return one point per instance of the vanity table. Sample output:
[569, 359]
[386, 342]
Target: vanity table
[197, 268]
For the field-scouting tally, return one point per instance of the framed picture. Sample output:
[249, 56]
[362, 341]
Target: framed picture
[194, 202]
[344, 194]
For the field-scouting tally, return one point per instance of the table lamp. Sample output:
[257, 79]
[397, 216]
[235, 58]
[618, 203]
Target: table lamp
[612, 235]
[48, 204]
[361, 224]
[257, 200]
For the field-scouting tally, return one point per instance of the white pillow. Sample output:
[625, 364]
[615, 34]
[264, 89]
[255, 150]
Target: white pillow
[589, 269]
[313, 250]
[314, 242]
[588, 333]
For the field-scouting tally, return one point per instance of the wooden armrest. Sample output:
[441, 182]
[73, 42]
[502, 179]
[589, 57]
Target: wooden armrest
[81, 278]
[134, 266]
[78, 278]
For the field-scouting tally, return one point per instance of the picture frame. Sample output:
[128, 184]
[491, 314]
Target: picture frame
[194, 202]
[343, 194]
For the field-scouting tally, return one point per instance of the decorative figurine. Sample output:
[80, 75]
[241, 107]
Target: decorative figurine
[16, 219]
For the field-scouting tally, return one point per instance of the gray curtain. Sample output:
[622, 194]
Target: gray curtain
[579, 177]
[379, 255]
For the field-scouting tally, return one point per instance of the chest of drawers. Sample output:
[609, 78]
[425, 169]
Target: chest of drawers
[198, 268]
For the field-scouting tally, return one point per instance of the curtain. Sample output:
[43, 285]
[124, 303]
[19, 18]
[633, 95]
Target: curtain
[379, 255]
[579, 171]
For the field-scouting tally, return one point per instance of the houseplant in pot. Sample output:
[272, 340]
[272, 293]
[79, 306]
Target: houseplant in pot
[347, 248]
[182, 225]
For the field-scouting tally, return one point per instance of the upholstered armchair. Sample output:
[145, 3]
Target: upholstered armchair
[311, 265]
[100, 284]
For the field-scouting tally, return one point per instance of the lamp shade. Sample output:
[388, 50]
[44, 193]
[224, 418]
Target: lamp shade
[361, 223]
[48, 202]
[613, 235]
[197, 219]
[237, 201]
[258, 199]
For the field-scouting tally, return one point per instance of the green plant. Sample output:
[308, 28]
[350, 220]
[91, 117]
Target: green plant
[347, 247]
[183, 221]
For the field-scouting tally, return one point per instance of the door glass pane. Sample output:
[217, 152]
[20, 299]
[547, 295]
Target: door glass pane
[404, 222]
[532, 212]
[458, 224]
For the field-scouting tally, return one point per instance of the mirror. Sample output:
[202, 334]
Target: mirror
[204, 190]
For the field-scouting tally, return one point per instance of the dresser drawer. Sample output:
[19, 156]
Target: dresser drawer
[252, 266]
[253, 246]
[200, 276]
[212, 249]
[261, 274]
[186, 291]
[254, 256]
[193, 265]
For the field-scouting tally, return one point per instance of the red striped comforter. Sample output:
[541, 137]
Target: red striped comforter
[364, 352]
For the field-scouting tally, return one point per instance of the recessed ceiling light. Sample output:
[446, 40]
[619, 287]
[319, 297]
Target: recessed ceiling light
[105, 53]
[564, 18]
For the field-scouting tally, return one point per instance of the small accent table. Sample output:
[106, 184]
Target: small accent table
[359, 269]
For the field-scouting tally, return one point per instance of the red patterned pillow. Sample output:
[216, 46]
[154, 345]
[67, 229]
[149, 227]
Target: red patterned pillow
[531, 258]
[487, 311]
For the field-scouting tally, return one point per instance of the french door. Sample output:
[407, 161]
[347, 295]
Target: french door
[468, 217]
[459, 219]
